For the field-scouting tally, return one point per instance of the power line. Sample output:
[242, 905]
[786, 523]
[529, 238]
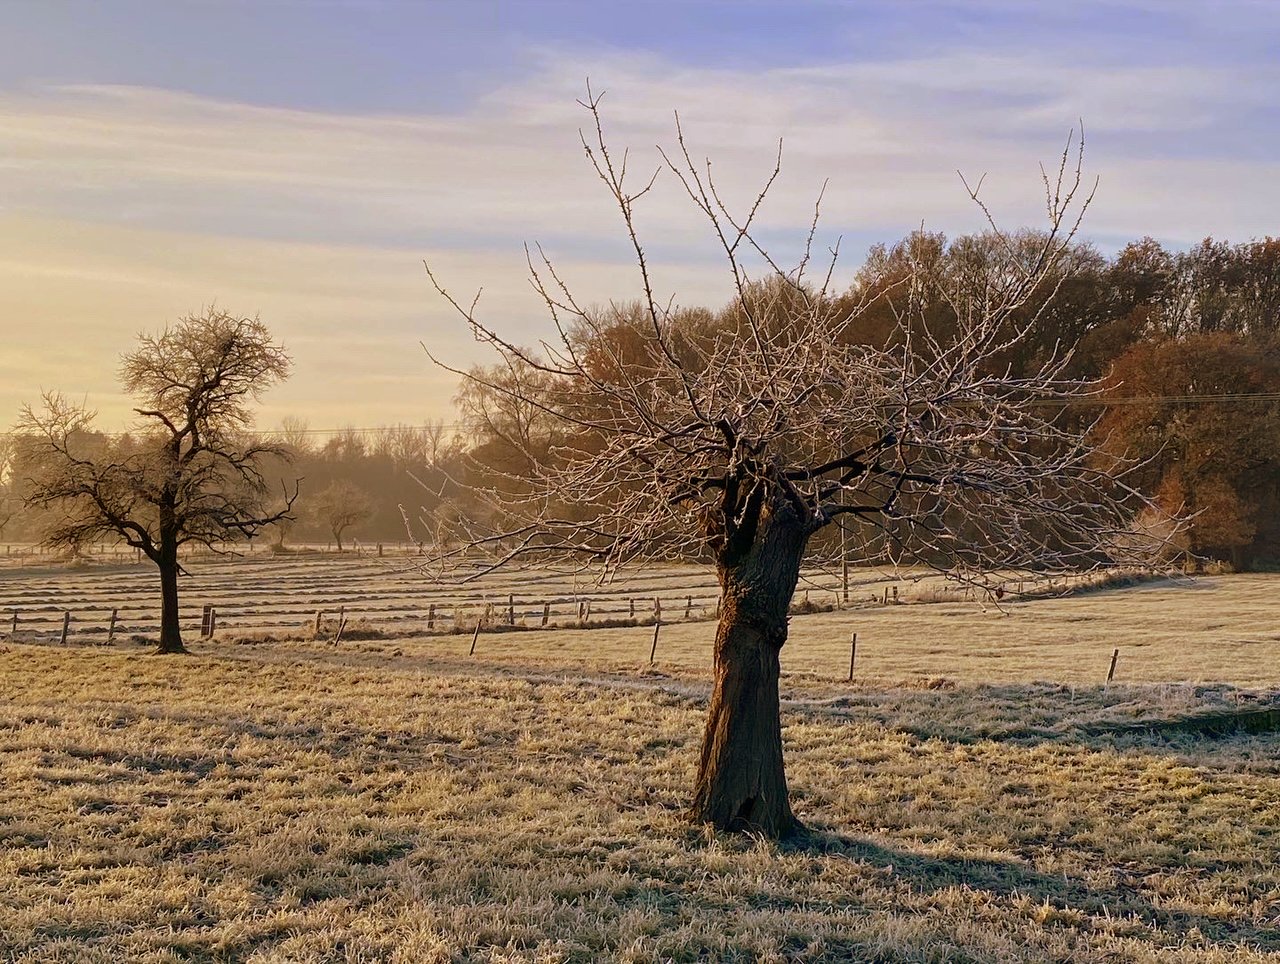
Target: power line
[279, 433]
[1230, 398]
[363, 430]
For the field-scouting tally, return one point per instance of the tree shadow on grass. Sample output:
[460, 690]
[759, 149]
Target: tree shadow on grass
[1010, 878]
[1153, 718]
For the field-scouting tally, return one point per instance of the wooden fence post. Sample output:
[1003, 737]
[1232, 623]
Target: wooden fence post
[474, 637]
[657, 608]
[511, 609]
[431, 616]
[1115, 655]
[657, 627]
[853, 654]
[13, 631]
[688, 607]
[111, 627]
[342, 625]
[546, 612]
[319, 613]
[66, 626]
[205, 615]
[213, 621]
[632, 604]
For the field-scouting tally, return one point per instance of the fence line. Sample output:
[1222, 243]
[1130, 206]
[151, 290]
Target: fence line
[39, 621]
[65, 615]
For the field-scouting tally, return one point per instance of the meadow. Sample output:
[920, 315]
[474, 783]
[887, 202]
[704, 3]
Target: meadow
[975, 794]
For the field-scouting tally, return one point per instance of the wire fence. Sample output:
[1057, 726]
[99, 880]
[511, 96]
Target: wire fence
[349, 595]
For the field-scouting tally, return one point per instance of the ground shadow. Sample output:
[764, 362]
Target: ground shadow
[1007, 878]
[1156, 718]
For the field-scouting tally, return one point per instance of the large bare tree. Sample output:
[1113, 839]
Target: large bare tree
[746, 434]
[189, 474]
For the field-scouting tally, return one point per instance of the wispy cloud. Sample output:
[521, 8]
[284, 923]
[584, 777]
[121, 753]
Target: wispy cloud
[890, 134]
[125, 206]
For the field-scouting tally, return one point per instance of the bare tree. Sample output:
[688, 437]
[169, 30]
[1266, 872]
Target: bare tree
[8, 501]
[339, 506]
[438, 443]
[295, 434]
[414, 446]
[748, 435]
[189, 475]
[280, 531]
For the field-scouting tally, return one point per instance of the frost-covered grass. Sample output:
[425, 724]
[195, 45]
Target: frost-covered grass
[395, 801]
[1212, 629]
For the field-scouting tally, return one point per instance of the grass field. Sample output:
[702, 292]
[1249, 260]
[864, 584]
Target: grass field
[976, 794]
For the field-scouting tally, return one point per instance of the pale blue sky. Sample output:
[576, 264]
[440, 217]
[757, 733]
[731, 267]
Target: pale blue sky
[300, 157]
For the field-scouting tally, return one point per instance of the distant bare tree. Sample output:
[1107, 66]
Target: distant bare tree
[295, 434]
[747, 437]
[190, 474]
[414, 446]
[438, 442]
[8, 501]
[339, 506]
[280, 531]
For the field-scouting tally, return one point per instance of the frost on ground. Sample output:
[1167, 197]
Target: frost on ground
[303, 802]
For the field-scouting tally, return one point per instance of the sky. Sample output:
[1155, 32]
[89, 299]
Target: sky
[300, 159]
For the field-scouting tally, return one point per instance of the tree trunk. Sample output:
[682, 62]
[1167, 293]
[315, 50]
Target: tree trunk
[170, 631]
[742, 785]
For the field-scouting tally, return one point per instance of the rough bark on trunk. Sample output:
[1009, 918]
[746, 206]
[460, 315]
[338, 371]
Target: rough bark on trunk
[170, 631]
[742, 785]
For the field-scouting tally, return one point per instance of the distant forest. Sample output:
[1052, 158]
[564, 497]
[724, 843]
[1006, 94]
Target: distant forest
[1186, 345]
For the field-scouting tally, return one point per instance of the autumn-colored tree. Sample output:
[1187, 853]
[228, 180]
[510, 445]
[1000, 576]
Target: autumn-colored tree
[1189, 407]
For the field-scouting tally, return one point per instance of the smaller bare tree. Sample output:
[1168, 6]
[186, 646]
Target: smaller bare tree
[190, 475]
[340, 505]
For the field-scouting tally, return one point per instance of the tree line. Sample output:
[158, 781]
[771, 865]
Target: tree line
[1186, 345]
[352, 484]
